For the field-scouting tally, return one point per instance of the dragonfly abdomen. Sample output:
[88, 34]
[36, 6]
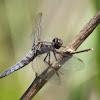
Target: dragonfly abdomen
[20, 64]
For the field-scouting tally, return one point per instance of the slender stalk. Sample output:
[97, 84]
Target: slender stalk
[86, 50]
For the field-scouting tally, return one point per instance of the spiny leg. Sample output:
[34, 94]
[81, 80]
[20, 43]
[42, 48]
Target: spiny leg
[58, 76]
[48, 54]
[55, 55]
[49, 58]
[60, 72]
[46, 57]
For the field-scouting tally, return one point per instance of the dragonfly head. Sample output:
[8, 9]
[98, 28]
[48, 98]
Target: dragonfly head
[57, 43]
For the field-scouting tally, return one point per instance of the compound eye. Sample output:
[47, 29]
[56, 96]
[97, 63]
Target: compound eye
[57, 43]
[55, 40]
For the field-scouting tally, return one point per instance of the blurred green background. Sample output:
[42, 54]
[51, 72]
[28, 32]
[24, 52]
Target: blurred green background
[63, 19]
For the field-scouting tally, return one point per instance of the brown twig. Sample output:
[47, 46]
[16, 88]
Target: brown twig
[38, 83]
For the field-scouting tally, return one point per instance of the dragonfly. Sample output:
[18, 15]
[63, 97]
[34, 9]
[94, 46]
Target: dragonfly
[41, 47]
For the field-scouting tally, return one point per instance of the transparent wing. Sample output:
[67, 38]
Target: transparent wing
[69, 63]
[72, 63]
[39, 65]
[37, 29]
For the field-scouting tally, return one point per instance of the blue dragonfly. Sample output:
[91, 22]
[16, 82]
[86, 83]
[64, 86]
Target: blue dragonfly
[42, 47]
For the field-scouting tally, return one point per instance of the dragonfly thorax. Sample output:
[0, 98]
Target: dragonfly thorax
[57, 43]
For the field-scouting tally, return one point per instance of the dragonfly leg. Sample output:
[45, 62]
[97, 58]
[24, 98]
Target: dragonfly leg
[48, 54]
[49, 58]
[60, 72]
[58, 76]
[46, 57]
[55, 55]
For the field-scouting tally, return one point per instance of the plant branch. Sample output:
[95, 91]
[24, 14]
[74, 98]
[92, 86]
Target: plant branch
[38, 83]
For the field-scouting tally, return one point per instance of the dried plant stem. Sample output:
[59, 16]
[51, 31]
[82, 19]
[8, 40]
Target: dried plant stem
[86, 50]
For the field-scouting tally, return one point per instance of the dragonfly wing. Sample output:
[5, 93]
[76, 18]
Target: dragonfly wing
[37, 29]
[56, 79]
[39, 65]
[73, 63]
[70, 63]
